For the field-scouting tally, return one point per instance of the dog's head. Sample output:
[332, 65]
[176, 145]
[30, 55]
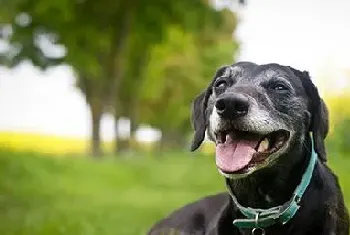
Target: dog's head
[256, 114]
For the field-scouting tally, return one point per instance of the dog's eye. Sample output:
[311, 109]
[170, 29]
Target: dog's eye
[279, 87]
[221, 84]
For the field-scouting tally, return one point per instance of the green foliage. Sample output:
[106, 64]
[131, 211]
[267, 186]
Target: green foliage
[174, 68]
[108, 44]
[338, 139]
[181, 66]
[89, 29]
[49, 196]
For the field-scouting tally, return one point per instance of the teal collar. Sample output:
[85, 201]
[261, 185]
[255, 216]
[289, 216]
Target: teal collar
[262, 218]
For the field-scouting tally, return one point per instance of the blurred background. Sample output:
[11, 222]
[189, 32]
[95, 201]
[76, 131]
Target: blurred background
[95, 100]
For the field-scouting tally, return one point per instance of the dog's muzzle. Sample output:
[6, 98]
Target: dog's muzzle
[240, 150]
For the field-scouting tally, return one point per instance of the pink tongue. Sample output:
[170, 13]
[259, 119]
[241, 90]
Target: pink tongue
[234, 155]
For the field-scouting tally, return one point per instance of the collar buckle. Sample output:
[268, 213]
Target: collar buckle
[258, 231]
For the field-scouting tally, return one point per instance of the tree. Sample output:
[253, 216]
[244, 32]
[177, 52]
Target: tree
[178, 70]
[95, 35]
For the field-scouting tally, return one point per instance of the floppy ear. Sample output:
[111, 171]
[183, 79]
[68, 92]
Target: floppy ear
[198, 120]
[319, 114]
[199, 106]
[320, 127]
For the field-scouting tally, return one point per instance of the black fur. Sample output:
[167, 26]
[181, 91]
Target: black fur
[319, 120]
[199, 116]
[198, 120]
[300, 110]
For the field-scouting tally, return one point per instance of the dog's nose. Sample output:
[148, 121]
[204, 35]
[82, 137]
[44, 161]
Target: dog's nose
[232, 106]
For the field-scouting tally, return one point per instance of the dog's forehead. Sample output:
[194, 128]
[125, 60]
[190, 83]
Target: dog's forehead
[258, 73]
[268, 71]
[272, 70]
[236, 70]
[248, 72]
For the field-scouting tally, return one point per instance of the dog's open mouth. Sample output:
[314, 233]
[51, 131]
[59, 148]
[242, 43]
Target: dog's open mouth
[237, 152]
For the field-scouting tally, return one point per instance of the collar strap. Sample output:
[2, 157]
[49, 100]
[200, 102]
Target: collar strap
[262, 218]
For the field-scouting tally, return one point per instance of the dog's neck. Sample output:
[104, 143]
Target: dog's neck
[274, 186]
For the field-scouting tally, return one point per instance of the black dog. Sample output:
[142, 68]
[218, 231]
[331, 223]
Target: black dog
[269, 126]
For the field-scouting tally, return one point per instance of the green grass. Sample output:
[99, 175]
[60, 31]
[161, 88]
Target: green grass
[41, 195]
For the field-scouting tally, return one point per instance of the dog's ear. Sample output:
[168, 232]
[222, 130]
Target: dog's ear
[199, 107]
[319, 125]
[198, 120]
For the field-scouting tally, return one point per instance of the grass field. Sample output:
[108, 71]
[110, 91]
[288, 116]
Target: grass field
[48, 196]
[46, 143]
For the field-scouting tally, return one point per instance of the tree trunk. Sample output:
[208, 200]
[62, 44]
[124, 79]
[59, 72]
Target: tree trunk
[172, 140]
[115, 73]
[133, 126]
[96, 114]
[122, 145]
[115, 59]
[128, 109]
[130, 103]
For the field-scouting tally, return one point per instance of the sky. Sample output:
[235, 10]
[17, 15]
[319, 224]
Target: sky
[309, 35]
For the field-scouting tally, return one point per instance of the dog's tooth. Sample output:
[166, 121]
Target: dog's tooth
[228, 138]
[264, 145]
[232, 135]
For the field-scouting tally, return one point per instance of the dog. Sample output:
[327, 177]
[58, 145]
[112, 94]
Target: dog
[269, 125]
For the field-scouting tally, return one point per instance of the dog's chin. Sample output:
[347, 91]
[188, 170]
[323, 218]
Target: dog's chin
[241, 153]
